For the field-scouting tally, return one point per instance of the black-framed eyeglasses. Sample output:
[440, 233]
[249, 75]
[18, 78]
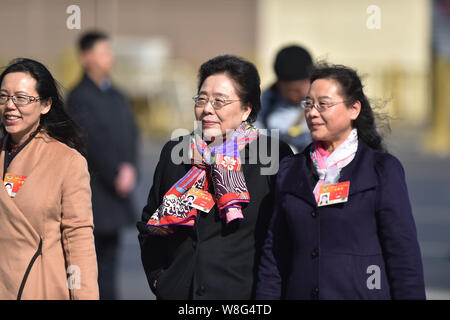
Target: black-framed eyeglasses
[216, 102]
[19, 100]
[307, 105]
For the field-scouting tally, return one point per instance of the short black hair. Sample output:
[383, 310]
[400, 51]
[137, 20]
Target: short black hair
[88, 39]
[293, 63]
[244, 74]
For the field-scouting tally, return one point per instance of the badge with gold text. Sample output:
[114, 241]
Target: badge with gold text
[333, 193]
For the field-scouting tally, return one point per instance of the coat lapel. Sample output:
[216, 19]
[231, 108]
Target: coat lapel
[26, 160]
[15, 224]
[297, 179]
[23, 164]
[361, 171]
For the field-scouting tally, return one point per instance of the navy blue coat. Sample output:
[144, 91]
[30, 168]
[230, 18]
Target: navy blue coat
[365, 248]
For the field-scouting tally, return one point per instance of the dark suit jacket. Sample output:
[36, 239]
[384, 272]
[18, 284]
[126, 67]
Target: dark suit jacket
[108, 122]
[211, 260]
[365, 248]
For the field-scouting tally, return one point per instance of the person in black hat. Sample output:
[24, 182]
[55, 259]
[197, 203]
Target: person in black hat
[281, 102]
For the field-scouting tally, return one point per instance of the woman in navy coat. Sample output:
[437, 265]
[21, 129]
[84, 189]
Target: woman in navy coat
[360, 245]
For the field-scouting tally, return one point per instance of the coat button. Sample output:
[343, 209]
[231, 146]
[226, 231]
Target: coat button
[315, 292]
[314, 213]
[315, 253]
[194, 244]
[201, 291]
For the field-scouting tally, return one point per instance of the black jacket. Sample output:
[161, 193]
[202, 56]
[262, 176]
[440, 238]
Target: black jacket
[211, 260]
[108, 122]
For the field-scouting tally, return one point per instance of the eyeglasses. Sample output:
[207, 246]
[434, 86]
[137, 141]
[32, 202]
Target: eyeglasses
[19, 100]
[217, 103]
[307, 105]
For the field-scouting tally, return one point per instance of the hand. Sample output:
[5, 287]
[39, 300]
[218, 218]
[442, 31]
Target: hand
[125, 180]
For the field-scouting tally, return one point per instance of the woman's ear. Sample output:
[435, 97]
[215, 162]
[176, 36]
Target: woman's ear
[355, 109]
[246, 112]
[46, 106]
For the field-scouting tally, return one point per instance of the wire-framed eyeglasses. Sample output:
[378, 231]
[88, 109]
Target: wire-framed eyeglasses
[307, 105]
[19, 100]
[217, 103]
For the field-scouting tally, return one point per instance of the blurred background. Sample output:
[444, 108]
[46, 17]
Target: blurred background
[401, 47]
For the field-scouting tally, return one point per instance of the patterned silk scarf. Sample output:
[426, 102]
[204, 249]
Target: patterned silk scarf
[328, 165]
[219, 165]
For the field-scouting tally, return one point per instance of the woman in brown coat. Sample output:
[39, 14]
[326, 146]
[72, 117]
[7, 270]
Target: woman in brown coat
[46, 239]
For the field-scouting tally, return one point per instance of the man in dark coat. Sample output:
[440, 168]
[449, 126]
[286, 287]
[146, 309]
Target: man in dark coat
[105, 116]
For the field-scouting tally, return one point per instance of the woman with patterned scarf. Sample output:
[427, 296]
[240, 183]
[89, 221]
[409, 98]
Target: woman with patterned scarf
[203, 227]
[342, 226]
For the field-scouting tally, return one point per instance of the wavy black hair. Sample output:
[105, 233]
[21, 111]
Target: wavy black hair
[351, 89]
[244, 74]
[57, 122]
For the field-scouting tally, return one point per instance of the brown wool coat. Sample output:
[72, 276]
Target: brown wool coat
[46, 230]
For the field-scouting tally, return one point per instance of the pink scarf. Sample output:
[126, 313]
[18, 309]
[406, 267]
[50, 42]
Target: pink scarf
[328, 165]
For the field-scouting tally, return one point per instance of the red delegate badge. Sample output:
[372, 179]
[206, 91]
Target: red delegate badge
[13, 182]
[333, 193]
[199, 199]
